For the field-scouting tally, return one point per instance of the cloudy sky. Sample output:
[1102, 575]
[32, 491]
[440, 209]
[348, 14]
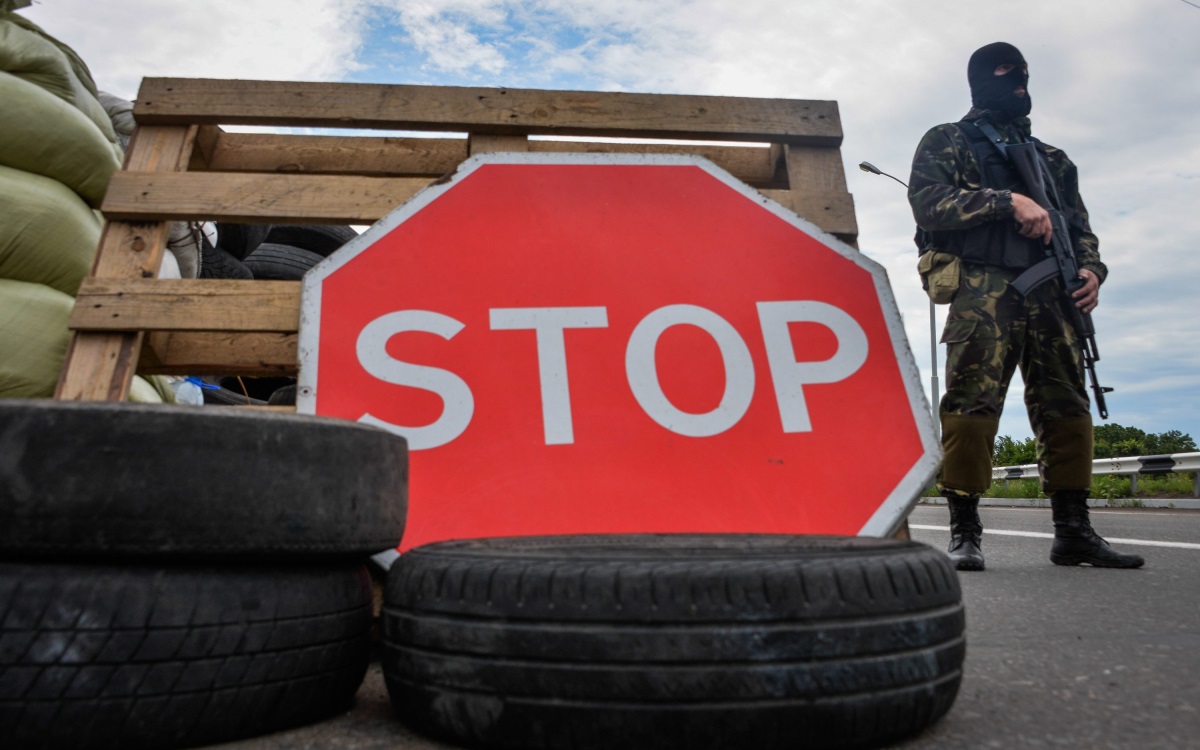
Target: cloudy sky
[1115, 83]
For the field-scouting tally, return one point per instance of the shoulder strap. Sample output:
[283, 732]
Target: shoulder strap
[988, 131]
[993, 136]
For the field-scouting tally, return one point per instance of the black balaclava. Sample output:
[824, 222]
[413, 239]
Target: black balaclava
[995, 93]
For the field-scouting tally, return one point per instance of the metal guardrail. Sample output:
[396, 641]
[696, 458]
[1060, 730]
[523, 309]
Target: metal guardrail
[1132, 467]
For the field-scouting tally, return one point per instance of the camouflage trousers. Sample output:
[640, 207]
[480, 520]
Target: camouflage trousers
[991, 330]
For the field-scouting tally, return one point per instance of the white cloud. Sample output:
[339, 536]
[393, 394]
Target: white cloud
[123, 42]
[441, 29]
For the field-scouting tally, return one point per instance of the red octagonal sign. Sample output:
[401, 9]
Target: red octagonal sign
[619, 344]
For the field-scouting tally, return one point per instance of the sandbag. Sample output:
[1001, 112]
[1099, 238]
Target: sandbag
[33, 344]
[41, 133]
[33, 338]
[169, 268]
[152, 389]
[120, 112]
[184, 245]
[31, 54]
[48, 235]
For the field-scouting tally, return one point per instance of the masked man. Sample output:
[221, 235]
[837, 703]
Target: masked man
[972, 204]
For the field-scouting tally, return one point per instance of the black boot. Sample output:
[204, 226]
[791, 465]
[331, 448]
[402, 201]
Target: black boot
[966, 532]
[1075, 542]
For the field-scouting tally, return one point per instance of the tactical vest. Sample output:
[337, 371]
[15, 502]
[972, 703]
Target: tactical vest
[994, 243]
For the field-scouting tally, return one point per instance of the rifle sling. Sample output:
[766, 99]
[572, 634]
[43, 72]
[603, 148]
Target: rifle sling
[997, 140]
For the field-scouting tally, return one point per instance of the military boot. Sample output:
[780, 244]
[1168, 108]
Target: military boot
[1075, 542]
[966, 532]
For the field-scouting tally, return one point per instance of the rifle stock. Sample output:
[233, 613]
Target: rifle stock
[1060, 264]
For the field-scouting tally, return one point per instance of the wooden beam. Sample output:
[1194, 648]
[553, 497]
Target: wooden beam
[832, 212]
[237, 197]
[186, 305]
[484, 143]
[755, 166]
[815, 169]
[434, 157]
[174, 101]
[100, 366]
[321, 154]
[207, 139]
[218, 353]
[336, 199]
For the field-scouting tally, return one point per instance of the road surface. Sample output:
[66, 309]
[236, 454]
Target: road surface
[1057, 657]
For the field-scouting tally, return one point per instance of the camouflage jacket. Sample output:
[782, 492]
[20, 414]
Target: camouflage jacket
[946, 191]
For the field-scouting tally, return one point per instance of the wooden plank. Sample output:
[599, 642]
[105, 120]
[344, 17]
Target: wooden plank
[434, 157]
[174, 101]
[320, 154]
[95, 367]
[237, 197]
[756, 166]
[100, 367]
[186, 305]
[335, 199]
[815, 172]
[218, 353]
[815, 169]
[485, 143]
[831, 212]
[207, 139]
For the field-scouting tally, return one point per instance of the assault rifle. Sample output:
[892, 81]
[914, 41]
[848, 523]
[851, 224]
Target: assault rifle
[1060, 263]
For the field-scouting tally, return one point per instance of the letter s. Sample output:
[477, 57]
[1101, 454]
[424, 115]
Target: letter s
[458, 403]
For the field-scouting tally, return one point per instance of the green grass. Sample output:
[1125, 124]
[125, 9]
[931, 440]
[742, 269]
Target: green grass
[1109, 487]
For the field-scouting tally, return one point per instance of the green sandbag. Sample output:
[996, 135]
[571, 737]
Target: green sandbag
[152, 389]
[48, 235]
[31, 54]
[33, 338]
[41, 133]
[33, 344]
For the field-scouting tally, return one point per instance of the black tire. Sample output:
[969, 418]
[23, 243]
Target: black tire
[686, 641]
[247, 390]
[281, 262]
[283, 396]
[322, 239]
[239, 240]
[85, 479]
[161, 657]
[218, 394]
[217, 263]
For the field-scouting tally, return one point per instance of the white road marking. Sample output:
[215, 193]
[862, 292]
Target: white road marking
[1043, 535]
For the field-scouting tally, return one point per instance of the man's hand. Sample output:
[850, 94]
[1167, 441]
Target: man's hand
[1033, 221]
[1087, 296]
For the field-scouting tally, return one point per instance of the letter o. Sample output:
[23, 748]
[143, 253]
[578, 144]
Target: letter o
[642, 371]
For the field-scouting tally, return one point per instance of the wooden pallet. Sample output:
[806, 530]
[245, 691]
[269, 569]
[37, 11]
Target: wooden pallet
[182, 165]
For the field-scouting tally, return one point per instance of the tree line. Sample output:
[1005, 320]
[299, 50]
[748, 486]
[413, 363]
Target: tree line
[1112, 441]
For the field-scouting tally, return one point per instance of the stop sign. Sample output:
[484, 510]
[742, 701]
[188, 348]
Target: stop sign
[619, 344]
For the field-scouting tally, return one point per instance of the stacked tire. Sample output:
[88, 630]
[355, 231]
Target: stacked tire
[174, 577]
[678, 641]
[283, 252]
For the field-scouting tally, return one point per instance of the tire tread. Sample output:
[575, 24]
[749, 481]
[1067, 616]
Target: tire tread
[175, 656]
[522, 643]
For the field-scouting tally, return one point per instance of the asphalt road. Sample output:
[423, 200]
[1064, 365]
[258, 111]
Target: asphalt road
[1056, 658]
[1076, 657]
